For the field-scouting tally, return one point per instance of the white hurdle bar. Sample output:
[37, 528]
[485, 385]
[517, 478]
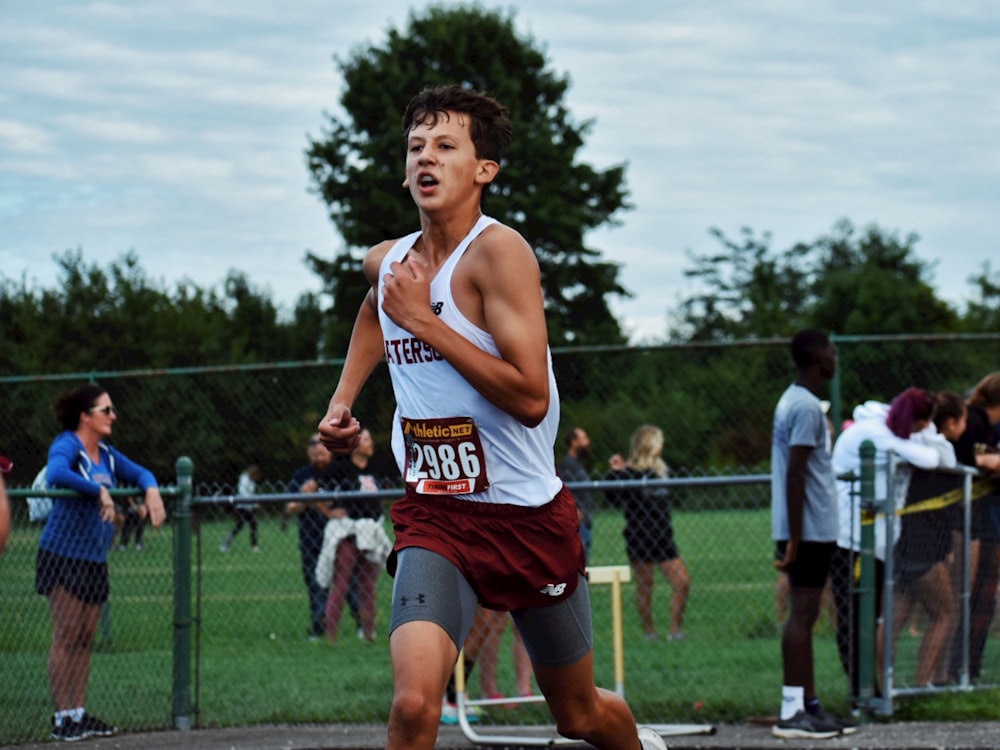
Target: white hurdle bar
[615, 575]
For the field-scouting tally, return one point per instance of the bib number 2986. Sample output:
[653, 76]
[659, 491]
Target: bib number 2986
[444, 456]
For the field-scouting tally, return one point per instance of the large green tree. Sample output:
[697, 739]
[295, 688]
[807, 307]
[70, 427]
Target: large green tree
[543, 189]
[848, 281]
[983, 311]
[871, 281]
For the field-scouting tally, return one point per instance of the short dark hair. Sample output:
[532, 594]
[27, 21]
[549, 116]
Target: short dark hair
[806, 346]
[490, 126]
[71, 404]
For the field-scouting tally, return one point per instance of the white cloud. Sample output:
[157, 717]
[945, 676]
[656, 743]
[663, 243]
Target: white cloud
[114, 128]
[178, 128]
[22, 138]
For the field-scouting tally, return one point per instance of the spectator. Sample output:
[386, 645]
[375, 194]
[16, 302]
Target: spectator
[246, 510]
[489, 657]
[575, 467]
[782, 591]
[889, 428]
[312, 517]
[355, 543]
[978, 447]
[482, 647]
[921, 556]
[649, 531]
[804, 526]
[72, 564]
[132, 520]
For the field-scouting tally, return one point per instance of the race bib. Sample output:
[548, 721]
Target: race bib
[444, 456]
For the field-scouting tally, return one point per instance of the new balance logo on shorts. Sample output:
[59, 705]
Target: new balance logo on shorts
[553, 589]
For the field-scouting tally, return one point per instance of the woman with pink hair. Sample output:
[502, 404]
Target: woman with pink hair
[889, 427]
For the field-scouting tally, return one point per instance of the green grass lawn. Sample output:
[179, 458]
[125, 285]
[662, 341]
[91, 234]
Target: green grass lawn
[256, 664]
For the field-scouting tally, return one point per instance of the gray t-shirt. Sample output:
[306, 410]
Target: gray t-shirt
[570, 469]
[799, 420]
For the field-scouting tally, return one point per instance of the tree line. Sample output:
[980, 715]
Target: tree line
[850, 281]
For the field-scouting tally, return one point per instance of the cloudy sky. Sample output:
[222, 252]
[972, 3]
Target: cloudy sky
[177, 129]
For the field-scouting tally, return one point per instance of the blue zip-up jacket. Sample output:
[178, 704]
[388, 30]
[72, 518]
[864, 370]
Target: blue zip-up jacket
[74, 528]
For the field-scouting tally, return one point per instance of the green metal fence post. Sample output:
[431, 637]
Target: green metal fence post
[866, 586]
[182, 595]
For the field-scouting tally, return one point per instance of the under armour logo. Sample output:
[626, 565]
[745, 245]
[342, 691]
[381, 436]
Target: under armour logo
[553, 589]
[421, 599]
[437, 307]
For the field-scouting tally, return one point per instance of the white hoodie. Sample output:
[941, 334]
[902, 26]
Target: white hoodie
[870, 424]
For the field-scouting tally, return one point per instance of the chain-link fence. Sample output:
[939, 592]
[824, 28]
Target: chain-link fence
[256, 655]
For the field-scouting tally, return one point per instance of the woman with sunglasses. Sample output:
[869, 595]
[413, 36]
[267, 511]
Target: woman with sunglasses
[72, 565]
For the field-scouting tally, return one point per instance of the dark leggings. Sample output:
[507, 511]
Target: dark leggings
[843, 569]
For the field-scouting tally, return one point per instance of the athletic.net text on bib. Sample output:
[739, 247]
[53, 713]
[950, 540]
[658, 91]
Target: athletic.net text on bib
[444, 456]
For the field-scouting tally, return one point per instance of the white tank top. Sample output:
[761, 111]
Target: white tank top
[447, 438]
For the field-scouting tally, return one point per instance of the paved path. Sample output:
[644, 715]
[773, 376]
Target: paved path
[895, 736]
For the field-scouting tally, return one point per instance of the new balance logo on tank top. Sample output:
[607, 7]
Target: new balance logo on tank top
[447, 438]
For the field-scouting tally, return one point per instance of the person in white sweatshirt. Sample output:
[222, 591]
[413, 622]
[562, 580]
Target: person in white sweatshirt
[890, 428]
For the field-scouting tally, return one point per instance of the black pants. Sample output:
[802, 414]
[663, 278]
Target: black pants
[132, 523]
[248, 517]
[844, 580]
[982, 607]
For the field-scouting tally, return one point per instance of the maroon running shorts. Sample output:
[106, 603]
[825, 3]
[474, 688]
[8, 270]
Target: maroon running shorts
[511, 555]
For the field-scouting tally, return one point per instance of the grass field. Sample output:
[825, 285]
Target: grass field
[256, 664]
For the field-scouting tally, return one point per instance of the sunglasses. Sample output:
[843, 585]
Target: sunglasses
[105, 410]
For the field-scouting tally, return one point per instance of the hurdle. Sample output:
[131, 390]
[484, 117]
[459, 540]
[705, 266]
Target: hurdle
[541, 734]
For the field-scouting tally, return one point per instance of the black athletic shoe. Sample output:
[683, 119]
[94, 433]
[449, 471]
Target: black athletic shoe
[847, 726]
[68, 731]
[805, 726]
[94, 727]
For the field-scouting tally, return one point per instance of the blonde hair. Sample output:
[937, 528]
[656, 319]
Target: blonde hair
[646, 449]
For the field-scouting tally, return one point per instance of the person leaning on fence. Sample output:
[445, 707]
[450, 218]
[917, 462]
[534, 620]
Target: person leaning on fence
[245, 510]
[978, 447]
[72, 565]
[355, 544]
[312, 517]
[457, 311]
[922, 555]
[804, 526]
[649, 529]
[890, 428]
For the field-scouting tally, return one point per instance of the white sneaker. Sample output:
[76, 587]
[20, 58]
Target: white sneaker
[651, 739]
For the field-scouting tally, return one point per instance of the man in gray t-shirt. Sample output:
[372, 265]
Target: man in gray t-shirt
[799, 421]
[573, 468]
[804, 524]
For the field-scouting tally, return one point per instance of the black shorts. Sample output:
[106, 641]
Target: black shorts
[84, 579]
[812, 563]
